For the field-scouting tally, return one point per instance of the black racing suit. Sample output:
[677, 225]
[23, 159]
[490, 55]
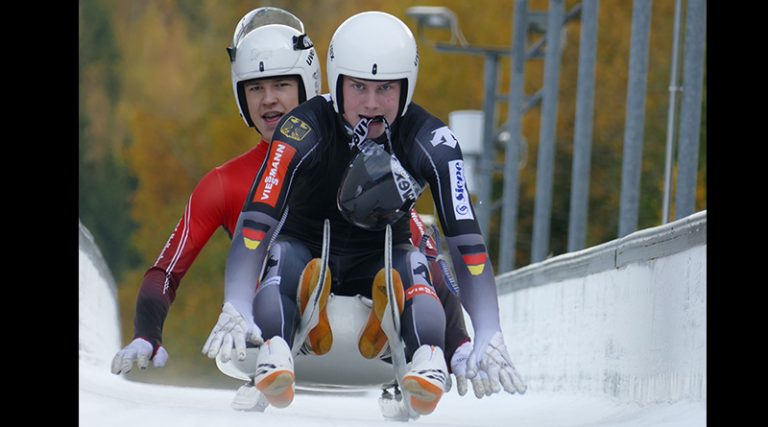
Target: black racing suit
[295, 190]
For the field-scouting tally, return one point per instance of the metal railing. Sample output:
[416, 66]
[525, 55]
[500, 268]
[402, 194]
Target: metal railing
[550, 24]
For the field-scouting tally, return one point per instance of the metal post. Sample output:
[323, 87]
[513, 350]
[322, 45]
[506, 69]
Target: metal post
[635, 118]
[546, 159]
[514, 117]
[673, 89]
[690, 109]
[585, 97]
[485, 166]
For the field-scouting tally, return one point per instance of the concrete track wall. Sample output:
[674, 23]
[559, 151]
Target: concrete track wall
[625, 319]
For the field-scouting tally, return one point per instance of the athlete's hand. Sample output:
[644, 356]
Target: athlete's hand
[493, 360]
[232, 330]
[141, 352]
[480, 384]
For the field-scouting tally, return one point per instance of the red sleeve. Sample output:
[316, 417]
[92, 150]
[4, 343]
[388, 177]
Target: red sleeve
[203, 214]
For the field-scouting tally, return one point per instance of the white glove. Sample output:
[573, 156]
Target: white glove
[140, 351]
[232, 329]
[493, 359]
[480, 383]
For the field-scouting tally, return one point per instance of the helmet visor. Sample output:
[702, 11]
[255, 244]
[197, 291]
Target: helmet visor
[266, 16]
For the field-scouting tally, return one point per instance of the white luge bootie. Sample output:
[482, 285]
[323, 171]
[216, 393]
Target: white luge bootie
[274, 372]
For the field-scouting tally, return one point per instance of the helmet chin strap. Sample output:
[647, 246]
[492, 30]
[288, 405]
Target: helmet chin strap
[364, 144]
[360, 131]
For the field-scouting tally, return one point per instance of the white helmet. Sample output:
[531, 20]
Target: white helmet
[373, 46]
[270, 42]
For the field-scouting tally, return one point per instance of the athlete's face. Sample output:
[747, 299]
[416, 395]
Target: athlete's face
[269, 99]
[370, 98]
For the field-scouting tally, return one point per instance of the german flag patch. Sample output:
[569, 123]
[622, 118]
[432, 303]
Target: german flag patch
[253, 233]
[474, 257]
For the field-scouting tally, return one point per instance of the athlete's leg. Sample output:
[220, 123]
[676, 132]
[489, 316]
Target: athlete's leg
[274, 307]
[423, 318]
[275, 312]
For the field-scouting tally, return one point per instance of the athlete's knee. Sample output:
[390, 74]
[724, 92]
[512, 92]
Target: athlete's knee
[423, 316]
[424, 313]
[417, 281]
[289, 256]
[412, 266]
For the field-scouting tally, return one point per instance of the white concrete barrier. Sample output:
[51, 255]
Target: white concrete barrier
[99, 333]
[625, 319]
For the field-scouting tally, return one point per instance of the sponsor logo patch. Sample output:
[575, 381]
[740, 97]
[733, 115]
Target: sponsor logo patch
[420, 290]
[402, 181]
[443, 136]
[474, 257]
[279, 158]
[253, 233]
[295, 128]
[459, 193]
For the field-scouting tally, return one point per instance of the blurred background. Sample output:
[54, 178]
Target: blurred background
[157, 113]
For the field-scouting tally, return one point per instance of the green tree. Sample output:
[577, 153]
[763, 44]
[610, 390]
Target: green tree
[105, 181]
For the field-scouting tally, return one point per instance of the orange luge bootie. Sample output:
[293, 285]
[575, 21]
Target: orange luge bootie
[373, 340]
[320, 337]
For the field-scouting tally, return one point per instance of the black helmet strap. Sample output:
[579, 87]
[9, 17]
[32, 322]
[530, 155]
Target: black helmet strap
[360, 132]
